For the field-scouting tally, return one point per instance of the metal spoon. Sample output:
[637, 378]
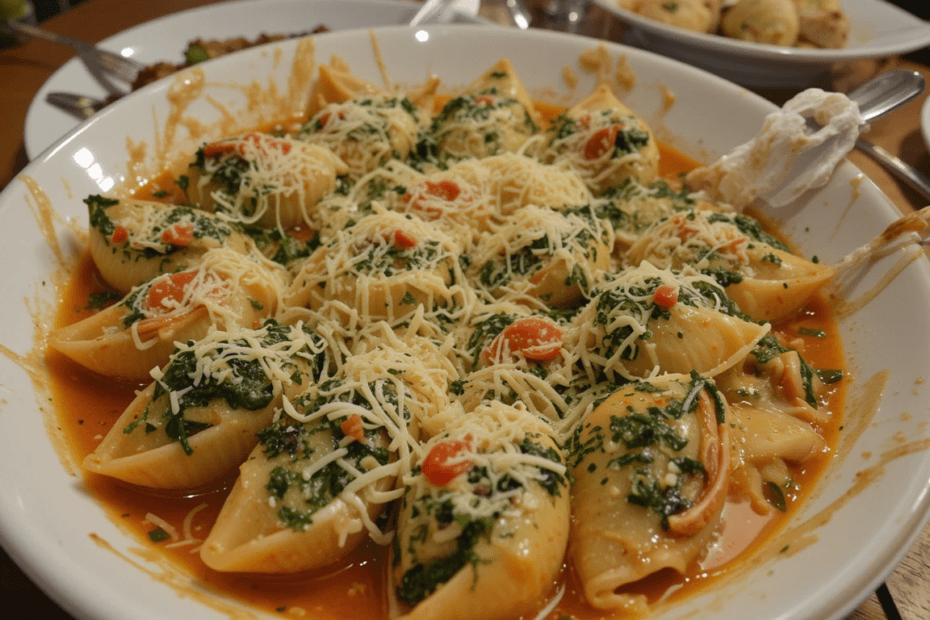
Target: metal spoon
[879, 96]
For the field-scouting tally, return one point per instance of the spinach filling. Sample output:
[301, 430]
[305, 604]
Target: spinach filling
[293, 439]
[246, 387]
[424, 577]
[204, 226]
[644, 434]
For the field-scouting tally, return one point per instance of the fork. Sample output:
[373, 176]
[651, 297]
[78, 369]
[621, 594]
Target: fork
[118, 66]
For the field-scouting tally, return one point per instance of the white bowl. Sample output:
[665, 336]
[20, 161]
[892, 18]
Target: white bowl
[165, 39]
[878, 29]
[868, 509]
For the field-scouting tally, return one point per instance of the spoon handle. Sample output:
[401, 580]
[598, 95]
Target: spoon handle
[910, 175]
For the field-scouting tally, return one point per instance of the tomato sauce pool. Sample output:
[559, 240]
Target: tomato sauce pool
[88, 405]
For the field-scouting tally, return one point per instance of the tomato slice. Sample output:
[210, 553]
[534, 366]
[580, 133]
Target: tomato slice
[437, 467]
[536, 339]
[120, 234]
[262, 141]
[180, 235]
[665, 296]
[602, 141]
[352, 427]
[170, 288]
[443, 190]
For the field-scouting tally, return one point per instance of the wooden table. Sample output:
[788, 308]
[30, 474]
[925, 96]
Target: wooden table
[906, 594]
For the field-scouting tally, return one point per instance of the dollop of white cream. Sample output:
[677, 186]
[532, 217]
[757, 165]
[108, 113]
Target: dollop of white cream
[789, 156]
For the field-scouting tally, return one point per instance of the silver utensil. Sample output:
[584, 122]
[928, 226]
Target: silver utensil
[519, 14]
[904, 171]
[118, 66]
[433, 11]
[78, 105]
[879, 96]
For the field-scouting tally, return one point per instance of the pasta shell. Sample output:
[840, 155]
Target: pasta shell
[652, 452]
[494, 115]
[131, 242]
[199, 420]
[338, 85]
[767, 282]
[325, 470]
[626, 330]
[604, 142]
[384, 267]
[365, 133]
[503, 553]
[130, 338]
[552, 256]
[259, 178]
[250, 534]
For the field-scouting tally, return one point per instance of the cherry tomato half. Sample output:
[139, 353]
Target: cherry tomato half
[436, 466]
[536, 339]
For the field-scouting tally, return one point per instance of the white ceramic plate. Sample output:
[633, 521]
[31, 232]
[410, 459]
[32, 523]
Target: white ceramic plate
[877, 29]
[166, 38]
[841, 546]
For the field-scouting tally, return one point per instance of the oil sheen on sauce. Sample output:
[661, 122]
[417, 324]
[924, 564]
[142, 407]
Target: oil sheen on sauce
[88, 405]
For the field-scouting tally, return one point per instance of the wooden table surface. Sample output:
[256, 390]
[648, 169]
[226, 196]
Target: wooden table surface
[23, 70]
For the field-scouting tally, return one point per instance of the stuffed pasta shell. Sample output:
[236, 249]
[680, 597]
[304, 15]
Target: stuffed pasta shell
[758, 272]
[130, 338]
[132, 242]
[551, 256]
[446, 199]
[633, 207]
[648, 320]
[517, 356]
[322, 473]
[604, 142]
[198, 420]
[513, 181]
[259, 178]
[383, 267]
[484, 519]
[651, 470]
[494, 115]
[366, 132]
